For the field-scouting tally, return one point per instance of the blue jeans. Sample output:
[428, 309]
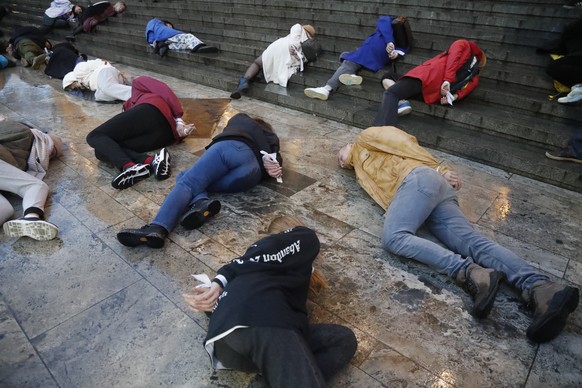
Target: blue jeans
[426, 197]
[229, 166]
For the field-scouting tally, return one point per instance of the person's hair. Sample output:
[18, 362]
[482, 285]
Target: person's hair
[282, 223]
[123, 4]
[483, 60]
[166, 22]
[264, 124]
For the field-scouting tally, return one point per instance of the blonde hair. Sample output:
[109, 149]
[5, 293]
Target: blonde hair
[483, 60]
[282, 223]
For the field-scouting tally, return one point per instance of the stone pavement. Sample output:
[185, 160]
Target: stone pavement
[84, 311]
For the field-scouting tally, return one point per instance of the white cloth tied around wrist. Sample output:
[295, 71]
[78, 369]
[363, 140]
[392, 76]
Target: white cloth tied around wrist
[182, 128]
[273, 158]
[204, 280]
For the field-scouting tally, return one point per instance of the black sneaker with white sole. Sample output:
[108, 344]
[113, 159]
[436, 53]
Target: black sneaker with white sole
[130, 176]
[161, 165]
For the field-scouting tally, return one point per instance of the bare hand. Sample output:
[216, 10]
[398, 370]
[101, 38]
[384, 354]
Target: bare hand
[274, 169]
[453, 180]
[203, 299]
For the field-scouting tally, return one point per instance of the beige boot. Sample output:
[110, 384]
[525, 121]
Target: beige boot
[552, 303]
[482, 284]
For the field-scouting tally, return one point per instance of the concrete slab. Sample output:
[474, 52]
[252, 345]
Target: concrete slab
[83, 310]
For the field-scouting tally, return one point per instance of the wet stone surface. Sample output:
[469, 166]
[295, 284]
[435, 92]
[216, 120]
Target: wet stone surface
[82, 310]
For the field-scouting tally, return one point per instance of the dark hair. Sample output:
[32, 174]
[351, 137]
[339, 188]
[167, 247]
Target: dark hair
[263, 123]
[166, 22]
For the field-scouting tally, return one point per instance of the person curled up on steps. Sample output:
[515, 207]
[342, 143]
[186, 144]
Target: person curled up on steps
[162, 36]
[279, 61]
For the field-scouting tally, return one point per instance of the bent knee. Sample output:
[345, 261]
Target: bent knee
[394, 242]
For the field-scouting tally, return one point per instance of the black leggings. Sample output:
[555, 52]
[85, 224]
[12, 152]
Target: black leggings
[404, 88]
[126, 137]
[566, 70]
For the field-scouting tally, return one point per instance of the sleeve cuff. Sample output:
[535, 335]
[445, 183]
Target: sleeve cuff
[221, 280]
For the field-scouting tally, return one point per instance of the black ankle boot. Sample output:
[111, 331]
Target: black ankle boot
[151, 235]
[243, 84]
[199, 213]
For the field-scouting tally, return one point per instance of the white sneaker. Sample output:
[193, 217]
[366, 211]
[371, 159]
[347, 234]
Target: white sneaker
[350, 79]
[31, 227]
[574, 95]
[404, 107]
[322, 93]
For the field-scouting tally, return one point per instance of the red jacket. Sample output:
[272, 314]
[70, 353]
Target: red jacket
[444, 67]
[147, 90]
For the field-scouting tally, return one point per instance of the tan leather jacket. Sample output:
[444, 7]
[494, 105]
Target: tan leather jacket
[383, 156]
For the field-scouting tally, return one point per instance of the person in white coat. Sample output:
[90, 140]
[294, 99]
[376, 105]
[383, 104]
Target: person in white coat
[280, 60]
[97, 75]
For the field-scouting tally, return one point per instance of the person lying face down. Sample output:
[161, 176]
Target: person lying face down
[417, 189]
[278, 342]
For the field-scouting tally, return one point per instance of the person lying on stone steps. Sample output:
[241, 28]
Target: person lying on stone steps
[60, 14]
[101, 81]
[234, 161]
[162, 37]
[259, 321]
[374, 54]
[28, 44]
[151, 119]
[448, 77]
[279, 61]
[24, 160]
[96, 14]
[416, 189]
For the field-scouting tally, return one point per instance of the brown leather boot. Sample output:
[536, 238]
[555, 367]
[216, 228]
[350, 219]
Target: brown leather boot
[482, 284]
[552, 303]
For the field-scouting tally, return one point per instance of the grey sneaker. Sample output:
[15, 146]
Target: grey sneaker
[552, 303]
[575, 95]
[31, 227]
[564, 155]
[350, 79]
[482, 284]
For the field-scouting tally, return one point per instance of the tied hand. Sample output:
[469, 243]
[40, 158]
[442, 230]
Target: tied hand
[272, 166]
[184, 129]
[203, 299]
[453, 180]
[390, 50]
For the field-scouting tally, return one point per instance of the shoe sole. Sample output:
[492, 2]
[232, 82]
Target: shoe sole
[39, 230]
[38, 61]
[350, 79]
[483, 309]
[132, 240]
[125, 184]
[314, 94]
[197, 219]
[235, 95]
[561, 158]
[404, 111]
[554, 323]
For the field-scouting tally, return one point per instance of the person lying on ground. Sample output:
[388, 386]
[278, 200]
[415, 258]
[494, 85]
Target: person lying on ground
[162, 37]
[416, 189]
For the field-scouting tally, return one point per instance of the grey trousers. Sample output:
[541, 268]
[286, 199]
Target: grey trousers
[32, 190]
